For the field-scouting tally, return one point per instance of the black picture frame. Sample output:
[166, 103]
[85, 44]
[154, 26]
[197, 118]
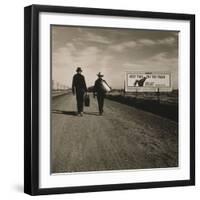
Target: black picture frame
[31, 98]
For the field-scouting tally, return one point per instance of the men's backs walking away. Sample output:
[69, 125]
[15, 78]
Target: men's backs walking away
[79, 87]
[100, 88]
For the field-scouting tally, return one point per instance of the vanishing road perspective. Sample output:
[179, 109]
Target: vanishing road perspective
[123, 138]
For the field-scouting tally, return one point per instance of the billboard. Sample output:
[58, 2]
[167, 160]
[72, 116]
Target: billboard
[148, 81]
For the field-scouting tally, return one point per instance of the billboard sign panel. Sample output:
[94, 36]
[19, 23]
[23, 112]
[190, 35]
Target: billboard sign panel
[147, 81]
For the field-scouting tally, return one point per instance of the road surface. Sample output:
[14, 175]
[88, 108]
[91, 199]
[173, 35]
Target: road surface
[123, 138]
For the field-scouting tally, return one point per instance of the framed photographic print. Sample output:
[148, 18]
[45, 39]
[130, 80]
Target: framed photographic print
[109, 99]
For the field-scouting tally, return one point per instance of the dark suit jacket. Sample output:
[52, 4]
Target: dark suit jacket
[79, 84]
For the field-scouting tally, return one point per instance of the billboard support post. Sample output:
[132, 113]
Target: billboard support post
[158, 95]
[136, 92]
[124, 91]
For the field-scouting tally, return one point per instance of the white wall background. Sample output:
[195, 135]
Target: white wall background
[11, 100]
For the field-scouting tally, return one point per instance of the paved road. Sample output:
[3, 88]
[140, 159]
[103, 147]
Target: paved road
[123, 138]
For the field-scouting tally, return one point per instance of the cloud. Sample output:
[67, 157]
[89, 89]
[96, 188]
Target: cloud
[127, 45]
[146, 42]
[167, 41]
[159, 62]
[163, 58]
[97, 38]
[87, 55]
[92, 38]
[123, 46]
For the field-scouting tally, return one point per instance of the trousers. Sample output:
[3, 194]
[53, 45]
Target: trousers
[80, 99]
[100, 99]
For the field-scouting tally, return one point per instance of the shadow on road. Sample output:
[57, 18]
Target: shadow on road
[73, 113]
[91, 113]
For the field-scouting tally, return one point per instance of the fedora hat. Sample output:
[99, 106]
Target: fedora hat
[100, 75]
[78, 69]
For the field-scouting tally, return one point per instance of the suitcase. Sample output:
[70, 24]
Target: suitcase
[87, 100]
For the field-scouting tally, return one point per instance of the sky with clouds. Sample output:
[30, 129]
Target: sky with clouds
[112, 51]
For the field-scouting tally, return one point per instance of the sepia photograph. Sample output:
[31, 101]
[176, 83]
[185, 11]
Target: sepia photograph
[114, 99]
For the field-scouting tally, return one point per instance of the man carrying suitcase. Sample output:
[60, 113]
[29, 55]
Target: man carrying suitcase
[100, 88]
[79, 85]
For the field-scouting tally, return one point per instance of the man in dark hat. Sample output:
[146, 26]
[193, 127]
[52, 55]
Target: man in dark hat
[79, 87]
[100, 90]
